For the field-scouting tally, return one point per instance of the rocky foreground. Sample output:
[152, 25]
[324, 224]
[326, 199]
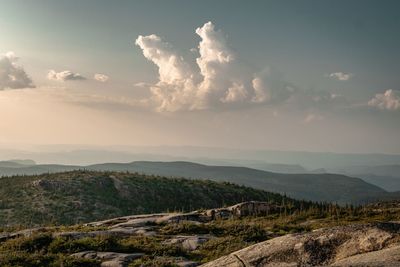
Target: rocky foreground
[369, 244]
[148, 225]
[353, 245]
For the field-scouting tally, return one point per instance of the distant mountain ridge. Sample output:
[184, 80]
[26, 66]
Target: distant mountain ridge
[384, 176]
[392, 170]
[17, 163]
[315, 187]
[86, 155]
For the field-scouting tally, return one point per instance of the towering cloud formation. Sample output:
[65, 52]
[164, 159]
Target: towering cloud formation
[65, 75]
[175, 88]
[221, 81]
[171, 67]
[215, 63]
[390, 100]
[12, 75]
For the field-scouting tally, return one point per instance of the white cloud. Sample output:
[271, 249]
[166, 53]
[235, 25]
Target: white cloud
[221, 82]
[270, 87]
[65, 75]
[313, 117]
[390, 100]
[341, 76]
[101, 77]
[261, 94]
[12, 75]
[236, 93]
[216, 63]
[175, 87]
[171, 67]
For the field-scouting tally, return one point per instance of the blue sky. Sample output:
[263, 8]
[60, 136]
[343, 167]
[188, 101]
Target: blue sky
[304, 45]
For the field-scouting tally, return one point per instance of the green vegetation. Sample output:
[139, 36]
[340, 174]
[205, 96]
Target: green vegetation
[38, 250]
[315, 187]
[45, 249]
[84, 196]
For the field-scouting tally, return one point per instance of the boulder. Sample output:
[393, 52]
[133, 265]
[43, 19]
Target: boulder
[189, 243]
[389, 257]
[109, 259]
[354, 245]
[249, 208]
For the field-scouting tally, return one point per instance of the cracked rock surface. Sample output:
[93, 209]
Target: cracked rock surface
[353, 245]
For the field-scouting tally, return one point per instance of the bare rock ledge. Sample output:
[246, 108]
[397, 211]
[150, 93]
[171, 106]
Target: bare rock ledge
[354, 245]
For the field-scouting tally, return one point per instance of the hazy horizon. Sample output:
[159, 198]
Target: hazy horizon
[274, 75]
[87, 155]
[121, 147]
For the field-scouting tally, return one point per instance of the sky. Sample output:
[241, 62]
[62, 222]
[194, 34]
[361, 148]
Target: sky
[275, 75]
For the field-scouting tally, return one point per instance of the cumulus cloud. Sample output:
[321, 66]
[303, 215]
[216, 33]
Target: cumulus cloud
[390, 100]
[270, 86]
[216, 66]
[341, 76]
[101, 77]
[65, 75]
[220, 82]
[12, 75]
[171, 67]
[175, 87]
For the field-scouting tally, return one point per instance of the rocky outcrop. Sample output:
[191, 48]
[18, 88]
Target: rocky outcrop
[47, 184]
[145, 225]
[354, 245]
[250, 208]
[385, 257]
[188, 242]
[375, 244]
[109, 259]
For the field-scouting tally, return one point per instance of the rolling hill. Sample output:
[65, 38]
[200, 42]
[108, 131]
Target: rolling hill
[316, 187]
[82, 196]
[384, 176]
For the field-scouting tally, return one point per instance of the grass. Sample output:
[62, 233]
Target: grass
[43, 249]
[81, 196]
